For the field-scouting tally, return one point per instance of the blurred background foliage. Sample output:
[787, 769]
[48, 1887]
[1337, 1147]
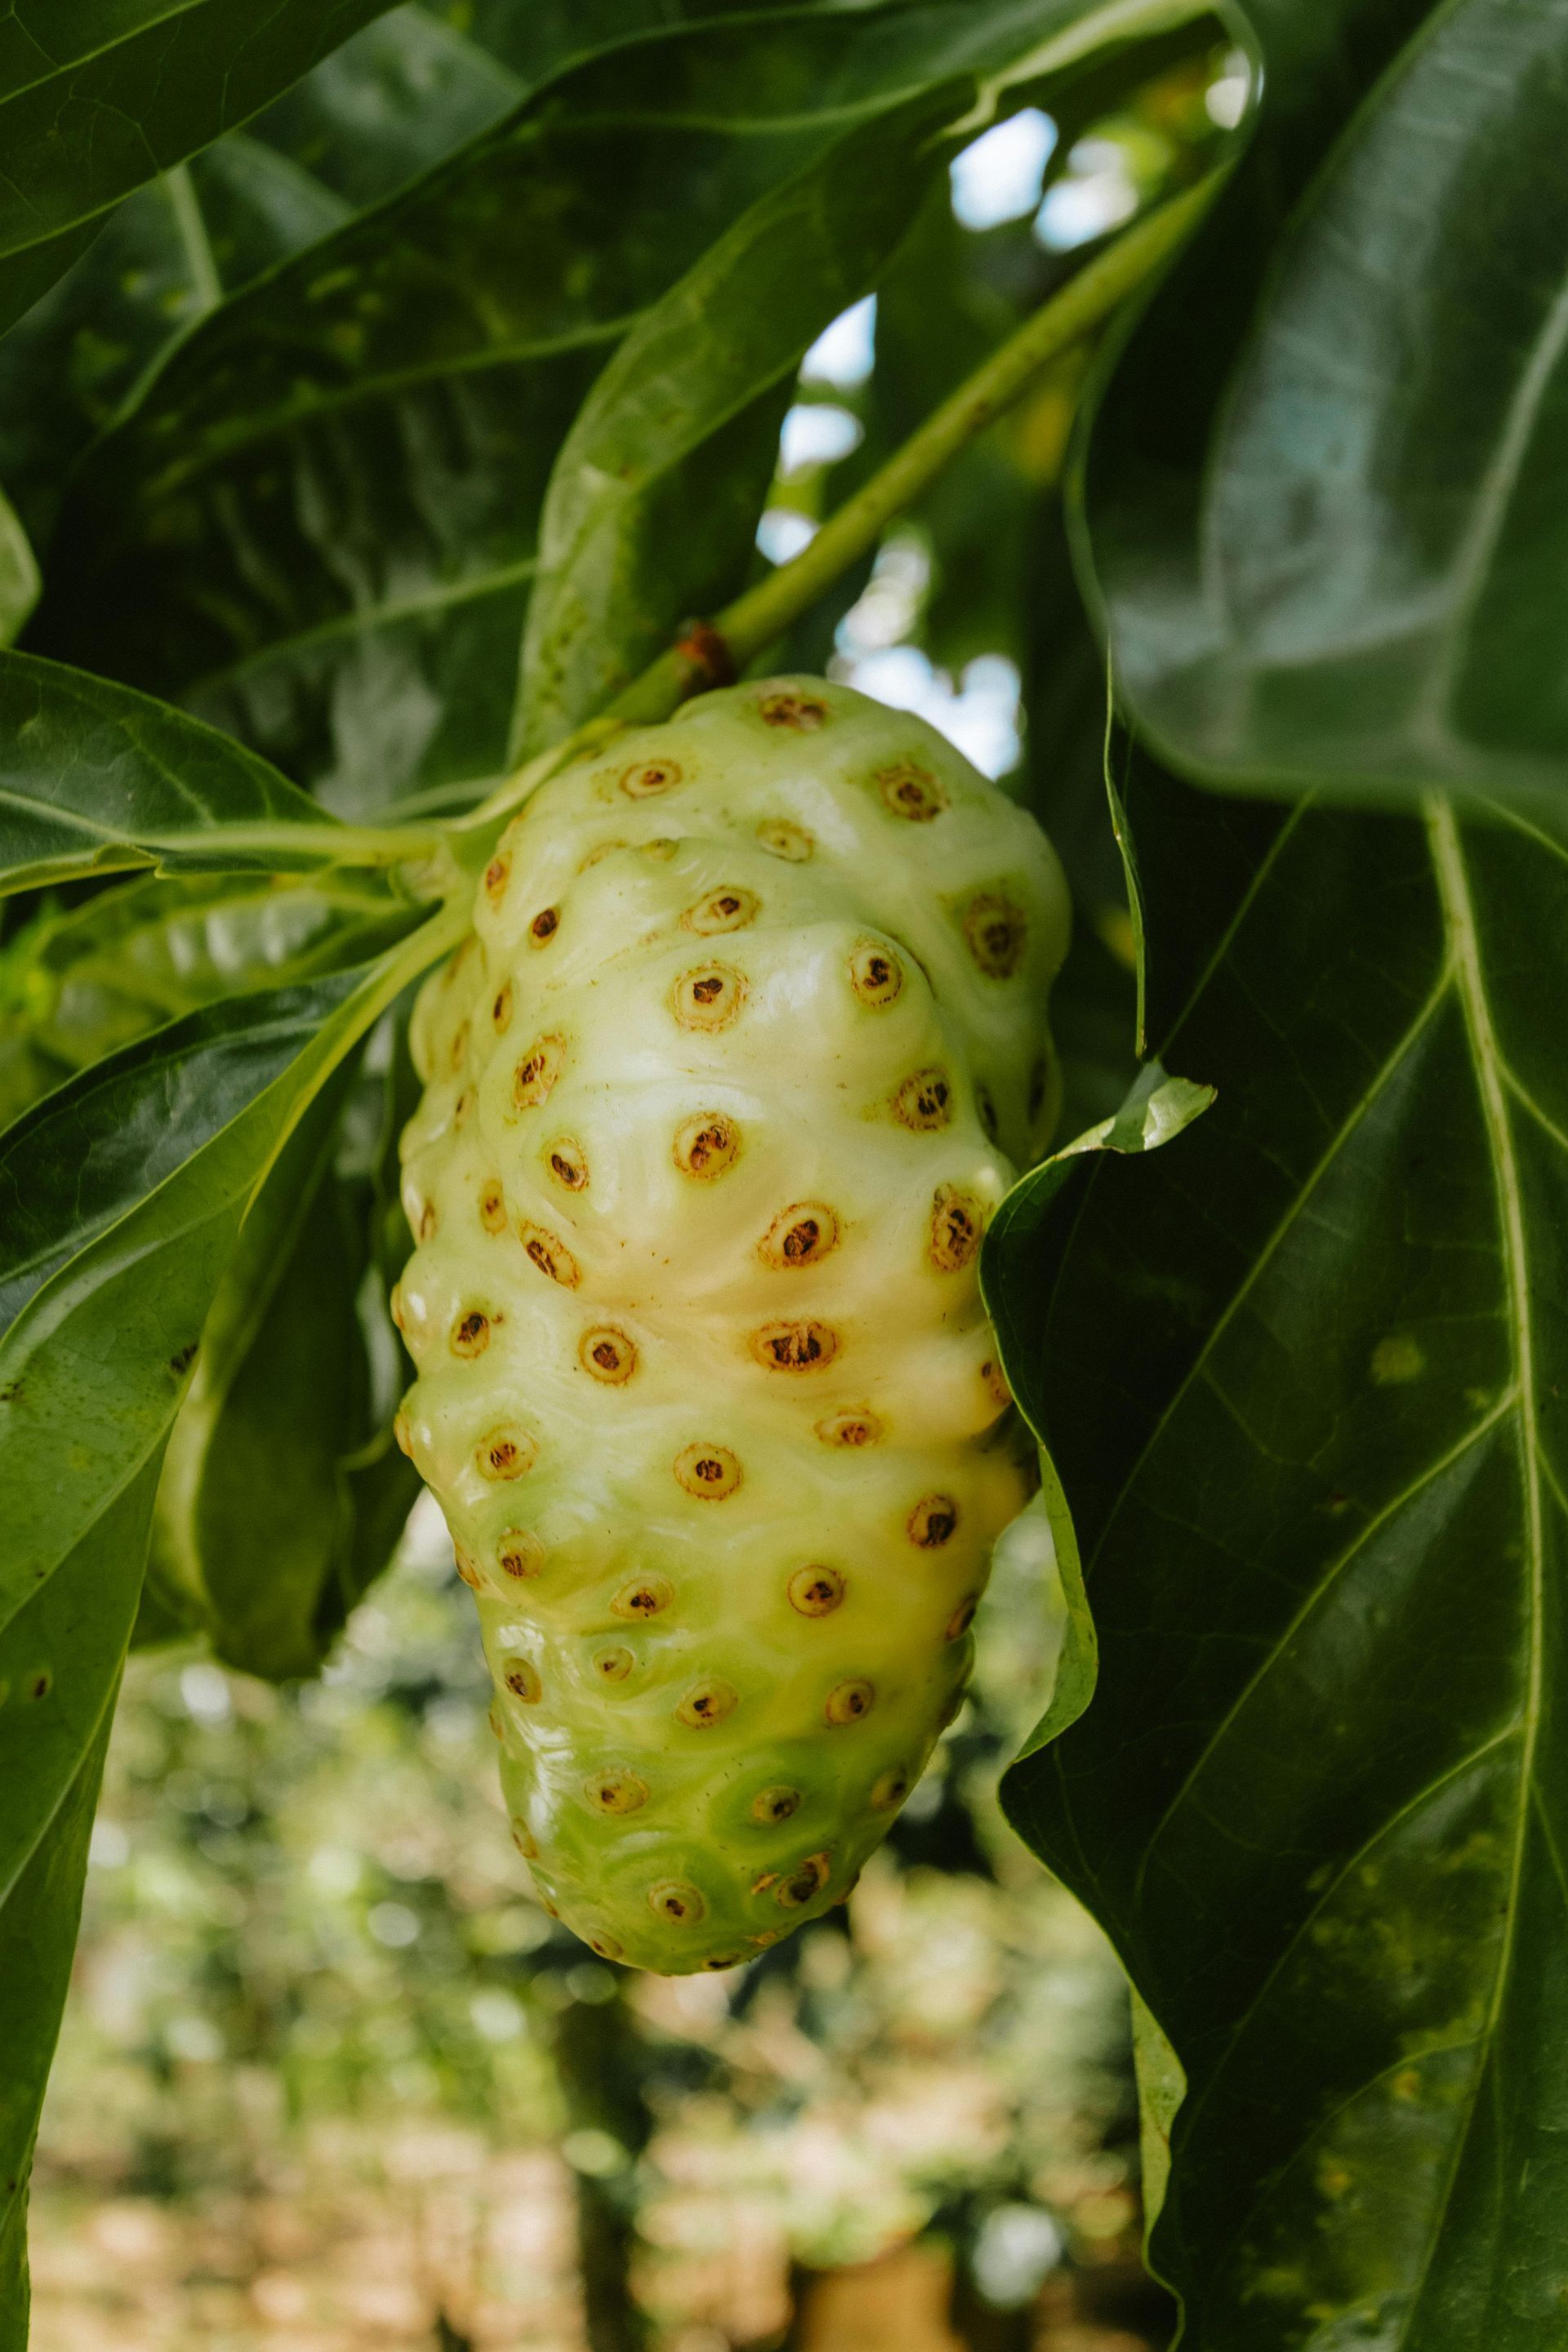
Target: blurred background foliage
[329, 2077]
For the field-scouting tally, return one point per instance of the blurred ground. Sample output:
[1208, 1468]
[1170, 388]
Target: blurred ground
[329, 2080]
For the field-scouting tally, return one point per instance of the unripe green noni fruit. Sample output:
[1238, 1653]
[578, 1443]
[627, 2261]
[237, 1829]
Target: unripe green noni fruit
[743, 1051]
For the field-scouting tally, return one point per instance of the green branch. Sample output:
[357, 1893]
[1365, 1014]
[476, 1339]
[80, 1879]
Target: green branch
[756, 620]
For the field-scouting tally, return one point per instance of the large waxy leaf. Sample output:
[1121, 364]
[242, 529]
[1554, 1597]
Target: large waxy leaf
[385, 107]
[681, 428]
[76, 986]
[1301, 1377]
[1383, 532]
[319, 525]
[269, 1565]
[96, 96]
[37, 1936]
[97, 780]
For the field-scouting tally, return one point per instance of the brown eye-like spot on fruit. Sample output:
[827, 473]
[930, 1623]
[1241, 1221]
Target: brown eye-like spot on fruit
[663, 848]
[645, 1596]
[396, 1308]
[544, 926]
[525, 1842]
[788, 707]
[605, 1945]
[850, 1701]
[816, 1591]
[39, 1683]
[471, 1331]
[707, 1145]
[497, 874]
[708, 1702]
[426, 1223]
[607, 1354]
[709, 997]
[709, 1471]
[677, 1903]
[997, 932]
[957, 1228]
[500, 1011]
[520, 1553]
[803, 1883]
[996, 1387]
[962, 1617]
[616, 1792]
[795, 1346]
[536, 1074]
[493, 1208]
[522, 1681]
[403, 1436]
[613, 1665]
[911, 792]
[876, 975]
[551, 1255]
[781, 838]
[647, 778]
[987, 1111]
[466, 1569]
[889, 1789]
[725, 910]
[567, 1163]
[459, 1049]
[771, 1806]
[506, 1454]
[933, 1521]
[924, 1102]
[724, 1960]
[464, 1110]
[854, 1426]
[800, 1235]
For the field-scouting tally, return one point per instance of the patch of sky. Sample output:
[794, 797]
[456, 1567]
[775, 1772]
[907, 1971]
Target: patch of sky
[997, 177]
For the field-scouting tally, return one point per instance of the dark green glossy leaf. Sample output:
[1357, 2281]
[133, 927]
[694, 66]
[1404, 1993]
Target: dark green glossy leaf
[95, 778]
[387, 106]
[654, 502]
[98, 96]
[19, 581]
[1382, 520]
[319, 525]
[283, 1378]
[75, 987]
[79, 1161]
[1301, 1378]
[37, 1936]
[97, 1360]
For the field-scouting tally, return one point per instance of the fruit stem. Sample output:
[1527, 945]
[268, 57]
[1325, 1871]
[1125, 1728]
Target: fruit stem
[765, 613]
[754, 621]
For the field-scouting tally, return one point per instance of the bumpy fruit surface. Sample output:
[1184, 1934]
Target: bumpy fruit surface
[720, 1097]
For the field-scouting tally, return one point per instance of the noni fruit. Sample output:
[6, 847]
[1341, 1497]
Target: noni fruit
[743, 1053]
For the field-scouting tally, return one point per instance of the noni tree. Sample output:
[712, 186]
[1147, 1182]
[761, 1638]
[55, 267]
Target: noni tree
[491, 993]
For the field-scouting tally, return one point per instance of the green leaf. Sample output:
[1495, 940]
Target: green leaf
[19, 581]
[282, 1379]
[1383, 535]
[654, 500]
[97, 1360]
[96, 780]
[317, 523]
[37, 1936]
[80, 1160]
[96, 98]
[1300, 1380]
[75, 987]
